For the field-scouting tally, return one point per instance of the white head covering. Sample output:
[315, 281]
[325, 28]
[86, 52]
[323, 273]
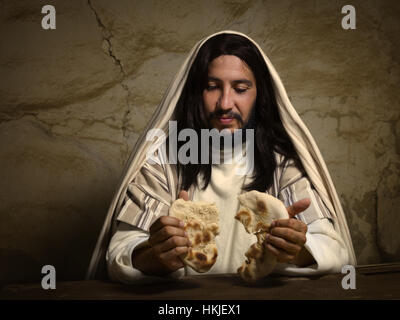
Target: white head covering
[303, 142]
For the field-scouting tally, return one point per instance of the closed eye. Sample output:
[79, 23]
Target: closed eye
[241, 90]
[211, 87]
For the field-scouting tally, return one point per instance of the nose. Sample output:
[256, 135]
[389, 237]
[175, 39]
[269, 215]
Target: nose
[225, 100]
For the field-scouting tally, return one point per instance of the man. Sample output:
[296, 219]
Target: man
[226, 83]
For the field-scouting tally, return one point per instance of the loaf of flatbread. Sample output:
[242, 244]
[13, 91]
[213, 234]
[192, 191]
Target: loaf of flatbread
[201, 224]
[257, 211]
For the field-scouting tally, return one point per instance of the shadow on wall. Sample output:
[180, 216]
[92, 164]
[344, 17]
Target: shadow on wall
[18, 267]
[65, 242]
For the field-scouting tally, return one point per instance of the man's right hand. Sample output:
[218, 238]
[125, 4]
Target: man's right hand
[168, 241]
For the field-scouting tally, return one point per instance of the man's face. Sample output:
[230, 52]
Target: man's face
[230, 93]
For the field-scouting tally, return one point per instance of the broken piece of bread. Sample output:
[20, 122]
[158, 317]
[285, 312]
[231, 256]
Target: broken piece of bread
[257, 211]
[201, 224]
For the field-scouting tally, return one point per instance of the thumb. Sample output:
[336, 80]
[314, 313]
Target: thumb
[298, 207]
[183, 195]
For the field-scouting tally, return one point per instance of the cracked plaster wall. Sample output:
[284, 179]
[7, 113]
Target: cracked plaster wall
[74, 100]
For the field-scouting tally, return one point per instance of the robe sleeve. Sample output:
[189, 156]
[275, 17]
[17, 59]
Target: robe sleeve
[149, 195]
[294, 185]
[119, 253]
[323, 242]
[147, 198]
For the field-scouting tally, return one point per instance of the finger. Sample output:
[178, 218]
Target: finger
[298, 207]
[280, 255]
[171, 261]
[291, 224]
[183, 195]
[172, 243]
[172, 255]
[289, 235]
[281, 243]
[166, 221]
[174, 264]
[165, 233]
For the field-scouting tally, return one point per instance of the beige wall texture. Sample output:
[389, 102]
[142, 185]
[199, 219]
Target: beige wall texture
[74, 100]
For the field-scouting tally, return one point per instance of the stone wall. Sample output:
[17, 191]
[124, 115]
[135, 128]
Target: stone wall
[74, 100]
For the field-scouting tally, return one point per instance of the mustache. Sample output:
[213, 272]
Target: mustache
[227, 113]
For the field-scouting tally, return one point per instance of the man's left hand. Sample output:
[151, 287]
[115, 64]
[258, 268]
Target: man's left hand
[287, 237]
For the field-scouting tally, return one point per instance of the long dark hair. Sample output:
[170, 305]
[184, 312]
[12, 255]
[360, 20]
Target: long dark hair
[269, 134]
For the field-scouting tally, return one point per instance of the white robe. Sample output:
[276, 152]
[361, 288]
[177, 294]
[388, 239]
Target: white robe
[323, 242]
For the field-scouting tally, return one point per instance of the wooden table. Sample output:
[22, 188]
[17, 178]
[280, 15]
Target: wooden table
[372, 282]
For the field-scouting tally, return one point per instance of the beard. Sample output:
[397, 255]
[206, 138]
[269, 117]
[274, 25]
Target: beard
[249, 124]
